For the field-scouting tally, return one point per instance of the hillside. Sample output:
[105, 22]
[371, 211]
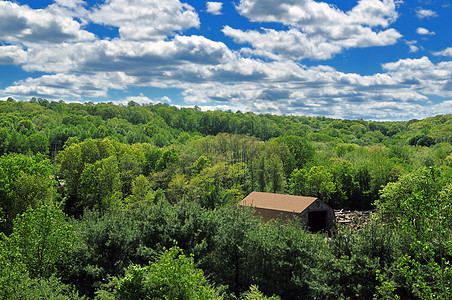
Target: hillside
[119, 191]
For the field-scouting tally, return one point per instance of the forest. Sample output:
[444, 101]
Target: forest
[139, 201]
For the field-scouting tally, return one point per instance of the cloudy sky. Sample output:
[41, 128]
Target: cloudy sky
[368, 59]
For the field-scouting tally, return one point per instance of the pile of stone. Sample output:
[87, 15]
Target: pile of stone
[355, 219]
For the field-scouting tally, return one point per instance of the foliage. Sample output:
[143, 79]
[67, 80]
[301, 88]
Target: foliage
[255, 294]
[24, 181]
[40, 240]
[359, 256]
[420, 205]
[139, 177]
[172, 276]
[32, 254]
[42, 289]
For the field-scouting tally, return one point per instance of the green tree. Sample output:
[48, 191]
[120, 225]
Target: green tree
[5, 138]
[276, 174]
[172, 276]
[299, 148]
[38, 143]
[317, 182]
[177, 188]
[24, 181]
[255, 294]
[25, 127]
[141, 191]
[72, 161]
[169, 158]
[100, 184]
[43, 289]
[40, 241]
[298, 182]
[201, 163]
[262, 175]
[152, 157]
[419, 204]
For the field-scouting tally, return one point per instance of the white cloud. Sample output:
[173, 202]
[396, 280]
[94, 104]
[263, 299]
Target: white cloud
[291, 43]
[214, 8]
[70, 3]
[146, 58]
[400, 93]
[422, 75]
[317, 30]
[425, 13]
[12, 55]
[283, 86]
[404, 64]
[297, 45]
[424, 31]
[146, 19]
[445, 52]
[412, 46]
[336, 104]
[319, 15]
[22, 24]
[142, 99]
[63, 86]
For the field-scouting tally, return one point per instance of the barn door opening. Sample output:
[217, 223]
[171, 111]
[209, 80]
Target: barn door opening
[317, 220]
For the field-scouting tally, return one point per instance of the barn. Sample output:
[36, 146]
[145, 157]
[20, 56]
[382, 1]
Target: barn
[312, 212]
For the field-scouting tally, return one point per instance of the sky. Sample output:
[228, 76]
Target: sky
[383, 60]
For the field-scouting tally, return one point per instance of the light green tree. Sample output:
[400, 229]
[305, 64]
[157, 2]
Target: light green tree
[100, 184]
[421, 205]
[317, 182]
[201, 163]
[172, 276]
[141, 191]
[41, 239]
[24, 181]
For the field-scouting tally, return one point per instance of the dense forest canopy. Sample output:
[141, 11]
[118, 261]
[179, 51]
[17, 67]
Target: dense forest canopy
[116, 195]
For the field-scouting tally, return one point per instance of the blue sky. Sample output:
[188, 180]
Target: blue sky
[367, 59]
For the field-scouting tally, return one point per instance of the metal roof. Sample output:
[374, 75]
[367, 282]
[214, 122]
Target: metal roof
[278, 202]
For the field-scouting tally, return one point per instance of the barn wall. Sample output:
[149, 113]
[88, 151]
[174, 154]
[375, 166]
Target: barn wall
[270, 214]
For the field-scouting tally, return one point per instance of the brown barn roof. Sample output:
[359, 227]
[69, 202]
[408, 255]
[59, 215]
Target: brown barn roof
[279, 202]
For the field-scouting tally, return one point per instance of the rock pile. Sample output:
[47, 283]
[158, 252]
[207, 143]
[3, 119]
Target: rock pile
[355, 219]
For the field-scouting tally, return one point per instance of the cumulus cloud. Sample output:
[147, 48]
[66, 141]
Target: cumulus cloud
[329, 102]
[298, 45]
[20, 23]
[425, 13]
[132, 57]
[399, 93]
[425, 76]
[146, 19]
[291, 43]
[214, 8]
[281, 86]
[70, 3]
[12, 55]
[64, 86]
[317, 30]
[412, 46]
[445, 52]
[319, 15]
[424, 31]
[142, 99]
